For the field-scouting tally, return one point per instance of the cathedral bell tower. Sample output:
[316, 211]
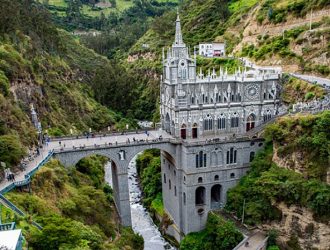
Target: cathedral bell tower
[178, 66]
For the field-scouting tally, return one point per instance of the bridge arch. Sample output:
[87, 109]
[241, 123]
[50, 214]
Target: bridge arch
[120, 157]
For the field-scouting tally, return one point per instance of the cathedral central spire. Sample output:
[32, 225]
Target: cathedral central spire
[178, 33]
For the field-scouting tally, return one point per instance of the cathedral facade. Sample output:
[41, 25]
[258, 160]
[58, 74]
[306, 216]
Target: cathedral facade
[207, 114]
[195, 105]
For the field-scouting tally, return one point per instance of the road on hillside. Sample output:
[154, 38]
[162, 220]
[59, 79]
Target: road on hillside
[325, 82]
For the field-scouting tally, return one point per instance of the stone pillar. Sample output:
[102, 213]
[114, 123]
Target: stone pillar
[123, 195]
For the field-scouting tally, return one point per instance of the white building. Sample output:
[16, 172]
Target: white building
[212, 49]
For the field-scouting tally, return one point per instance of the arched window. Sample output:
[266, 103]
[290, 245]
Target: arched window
[164, 178]
[215, 196]
[183, 131]
[200, 180]
[192, 100]
[194, 131]
[267, 116]
[222, 122]
[174, 190]
[184, 179]
[234, 121]
[200, 160]
[169, 184]
[174, 172]
[231, 156]
[232, 175]
[208, 123]
[250, 122]
[184, 198]
[200, 196]
[216, 178]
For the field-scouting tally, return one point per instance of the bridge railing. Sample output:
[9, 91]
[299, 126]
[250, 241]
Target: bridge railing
[18, 211]
[100, 135]
[117, 144]
[7, 226]
[9, 204]
[27, 177]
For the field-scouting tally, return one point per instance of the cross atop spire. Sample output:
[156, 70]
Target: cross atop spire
[178, 34]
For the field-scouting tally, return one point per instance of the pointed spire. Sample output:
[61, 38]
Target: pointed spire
[178, 33]
[229, 89]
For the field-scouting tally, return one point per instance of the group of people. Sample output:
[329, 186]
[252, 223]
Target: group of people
[11, 177]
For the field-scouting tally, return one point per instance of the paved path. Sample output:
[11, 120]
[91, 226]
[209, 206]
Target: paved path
[73, 142]
[254, 242]
[325, 82]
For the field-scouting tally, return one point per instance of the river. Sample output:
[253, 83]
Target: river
[141, 220]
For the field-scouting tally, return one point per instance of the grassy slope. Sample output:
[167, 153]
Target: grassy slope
[58, 86]
[296, 90]
[77, 196]
[88, 10]
[202, 21]
[305, 135]
[267, 184]
[48, 68]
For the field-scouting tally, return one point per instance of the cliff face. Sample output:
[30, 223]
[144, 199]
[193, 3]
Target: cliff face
[46, 67]
[299, 221]
[269, 32]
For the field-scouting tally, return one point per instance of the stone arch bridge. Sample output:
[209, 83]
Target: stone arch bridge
[120, 155]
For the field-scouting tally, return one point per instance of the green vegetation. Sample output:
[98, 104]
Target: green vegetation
[296, 90]
[266, 184]
[308, 135]
[218, 234]
[75, 208]
[149, 170]
[269, 47]
[278, 11]
[226, 63]
[47, 67]
[11, 149]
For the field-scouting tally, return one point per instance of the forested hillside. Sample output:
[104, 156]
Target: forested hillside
[47, 67]
[286, 188]
[75, 208]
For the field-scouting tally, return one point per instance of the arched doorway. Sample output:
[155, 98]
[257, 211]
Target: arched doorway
[250, 122]
[200, 196]
[194, 130]
[183, 131]
[216, 196]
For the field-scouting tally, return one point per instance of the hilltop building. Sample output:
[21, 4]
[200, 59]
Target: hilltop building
[212, 49]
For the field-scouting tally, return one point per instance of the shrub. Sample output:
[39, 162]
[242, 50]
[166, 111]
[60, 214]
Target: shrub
[4, 84]
[309, 96]
[218, 234]
[11, 149]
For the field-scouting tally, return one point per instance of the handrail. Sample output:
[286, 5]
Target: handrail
[27, 176]
[115, 145]
[17, 210]
[11, 205]
[98, 135]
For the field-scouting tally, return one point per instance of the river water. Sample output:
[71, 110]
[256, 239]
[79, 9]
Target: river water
[141, 220]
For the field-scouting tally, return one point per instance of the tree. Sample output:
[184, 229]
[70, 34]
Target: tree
[11, 149]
